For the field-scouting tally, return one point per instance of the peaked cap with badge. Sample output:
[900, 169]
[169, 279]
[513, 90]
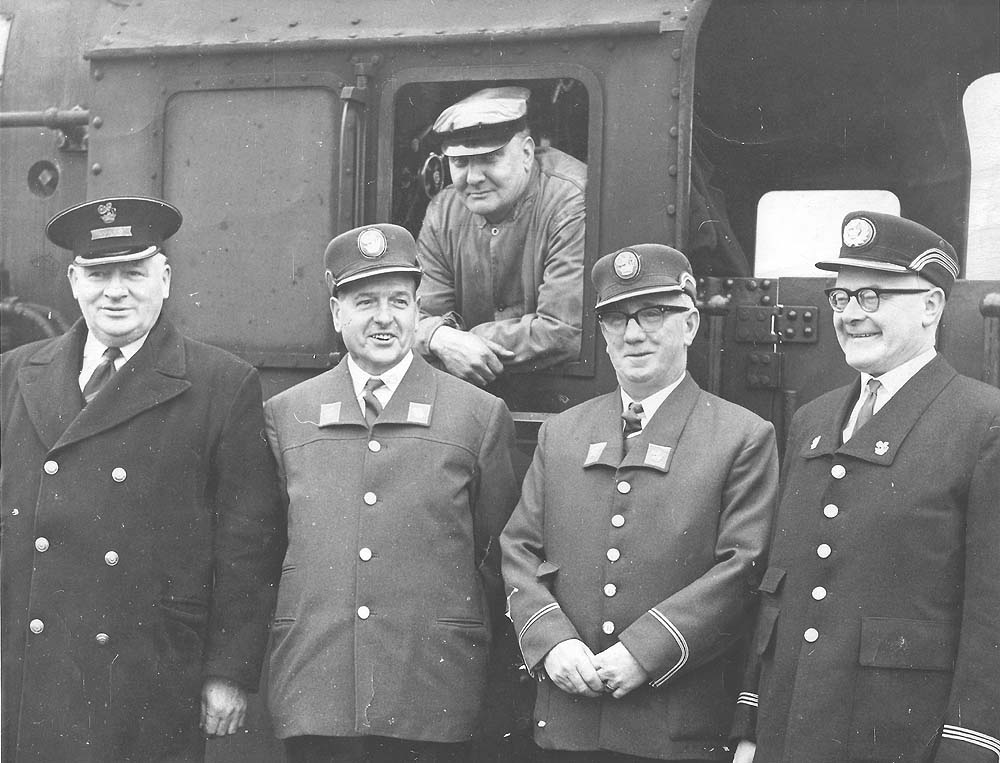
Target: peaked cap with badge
[483, 122]
[108, 231]
[893, 244]
[371, 250]
[642, 269]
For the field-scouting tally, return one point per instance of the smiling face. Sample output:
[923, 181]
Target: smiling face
[646, 362]
[377, 318]
[491, 184]
[903, 326]
[120, 302]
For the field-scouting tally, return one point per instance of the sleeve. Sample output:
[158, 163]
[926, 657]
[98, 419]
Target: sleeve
[437, 284]
[539, 623]
[703, 619]
[971, 731]
[495, 496]
[552, 333]
[249, 540]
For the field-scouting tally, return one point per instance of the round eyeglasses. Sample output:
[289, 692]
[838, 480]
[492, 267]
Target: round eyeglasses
[648, 318]
[868, 297]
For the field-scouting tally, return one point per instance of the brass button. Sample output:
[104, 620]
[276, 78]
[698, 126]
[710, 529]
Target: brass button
[363, 612]
[370, 498]
[823, 550]
[819, 593]
[50, 467]
[118, 474]
[102, 639]
[541, 724]
[608, 627]
[624, 487]
[374, 446]
[111, 558]
[610, 589]
[365, 554]
[617, 520]
[811, 635]
[831, 510]
[838, 471]
[614, 554]
[36, 626]
[41, 545]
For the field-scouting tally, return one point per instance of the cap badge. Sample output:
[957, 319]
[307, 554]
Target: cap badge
[881, 448]
[372, 243]
[859, 231]
[107, 212]
[627, 265]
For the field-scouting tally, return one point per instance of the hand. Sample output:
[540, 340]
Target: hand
[745, 751]
[468, 356]
[619, 670]
[569, 666]
[223, 707]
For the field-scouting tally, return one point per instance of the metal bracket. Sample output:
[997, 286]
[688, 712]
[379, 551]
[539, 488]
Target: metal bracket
[765, 370]
[778, 324]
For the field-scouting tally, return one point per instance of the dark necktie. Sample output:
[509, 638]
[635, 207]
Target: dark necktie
[867, 409]
[372, 406]
[102, 373]
[633, 424]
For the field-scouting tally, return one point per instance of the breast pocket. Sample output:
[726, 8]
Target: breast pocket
[904, 679]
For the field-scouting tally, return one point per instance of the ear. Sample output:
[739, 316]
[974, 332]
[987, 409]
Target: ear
[692, 320]
[934, 302]
[330, 284]
[72, 275]
[335, 312]
[528, 151]
[166, 280]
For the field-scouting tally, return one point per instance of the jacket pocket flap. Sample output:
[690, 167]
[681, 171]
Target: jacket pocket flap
[771, 580]
[889, 642]
[546, 568]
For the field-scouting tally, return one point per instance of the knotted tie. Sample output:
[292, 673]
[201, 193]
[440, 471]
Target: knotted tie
[633, 424]
[372, 406]
[867, 409]
[104, 371]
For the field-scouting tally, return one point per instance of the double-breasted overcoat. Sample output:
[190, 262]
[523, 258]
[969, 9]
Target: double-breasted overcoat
[383, 622]
[140, 546]
[658, 549]
[879, 632]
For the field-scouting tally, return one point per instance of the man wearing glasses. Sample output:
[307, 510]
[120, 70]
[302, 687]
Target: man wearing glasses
[877, 638]
[632, 556]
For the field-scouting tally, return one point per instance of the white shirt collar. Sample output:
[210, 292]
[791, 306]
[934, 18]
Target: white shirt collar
[893, 381]
[650, 403]
[93, 351]
[390, 378]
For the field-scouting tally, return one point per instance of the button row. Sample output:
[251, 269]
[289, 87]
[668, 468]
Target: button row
[36, 626]
[42, 545]
[118, 474]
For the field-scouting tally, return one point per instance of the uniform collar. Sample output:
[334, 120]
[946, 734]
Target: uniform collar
[892, 381]
[412, 402]
[390, 378]
[651, 403]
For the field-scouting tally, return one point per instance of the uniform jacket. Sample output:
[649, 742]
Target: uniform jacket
[657, 549]
[383, 618]
[139, 546]
[518, 282]
[881, 602]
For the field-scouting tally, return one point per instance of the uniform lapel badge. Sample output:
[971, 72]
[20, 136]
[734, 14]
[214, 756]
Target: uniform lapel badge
[658, 456]
[329, 413]
[815, 442]
[594, 453]
[419, 413]
[881, 448]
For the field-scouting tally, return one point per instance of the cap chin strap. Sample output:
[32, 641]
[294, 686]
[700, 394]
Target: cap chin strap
[113, 257]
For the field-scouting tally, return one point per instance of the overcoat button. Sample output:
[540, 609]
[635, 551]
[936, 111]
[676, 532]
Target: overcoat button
[614, 554]
[374, 446]
[111, 558]
[50, 467]
[365, 554]
[831, 510]
[118, 474]
[823, 550]
[102, 639]
[41, 545]
[36, 626]
[838, 471]
[541, 724]
[617, 520]
[811, 635]
[370, 499]
[819, 593]
[608, 627]
[364, 612]
[624, 487]
[610, 589]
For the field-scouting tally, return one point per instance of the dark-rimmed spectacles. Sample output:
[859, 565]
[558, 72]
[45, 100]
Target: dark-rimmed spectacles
[648, 318]
[868, 297]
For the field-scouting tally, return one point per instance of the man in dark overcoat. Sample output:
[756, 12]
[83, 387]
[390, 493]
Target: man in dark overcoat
[879, 631]
[398, 481]
[141, 531]
[631, 558]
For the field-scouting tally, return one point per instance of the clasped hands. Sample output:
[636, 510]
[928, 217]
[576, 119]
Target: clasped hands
[576, 670]
[468, 356]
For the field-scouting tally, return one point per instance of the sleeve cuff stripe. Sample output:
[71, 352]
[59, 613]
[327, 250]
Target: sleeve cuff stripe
[960, 734]
[531, 620]
[681, 642]
[747, 698]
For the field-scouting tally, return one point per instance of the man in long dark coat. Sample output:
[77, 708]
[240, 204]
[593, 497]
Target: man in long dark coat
[141, 532]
